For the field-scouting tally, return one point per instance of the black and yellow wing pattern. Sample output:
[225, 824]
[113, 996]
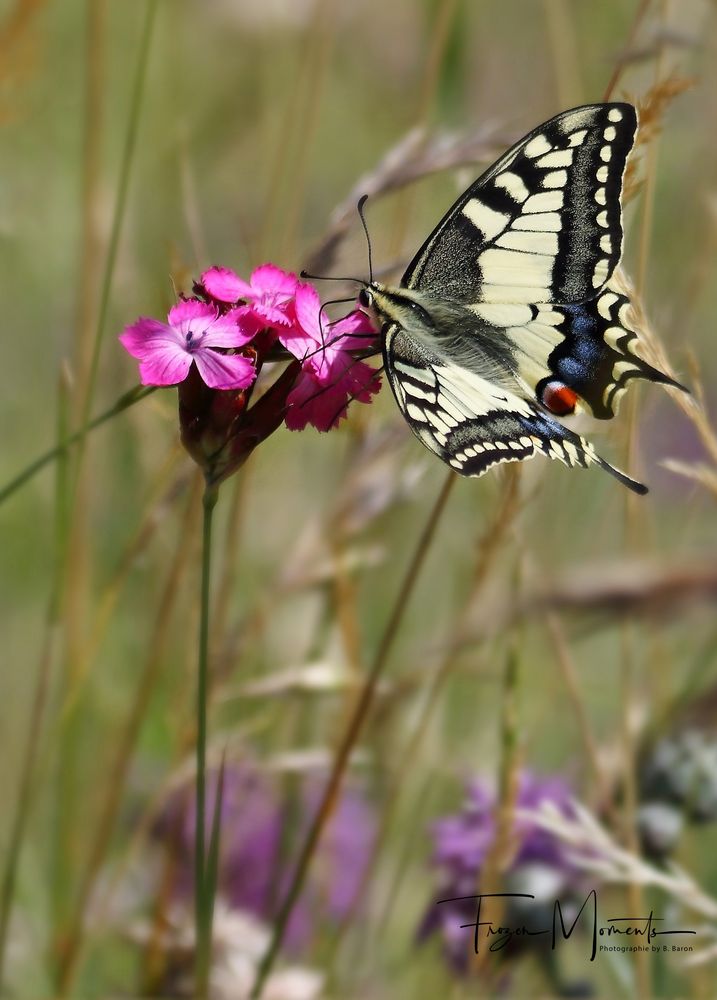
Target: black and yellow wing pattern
[512, 313]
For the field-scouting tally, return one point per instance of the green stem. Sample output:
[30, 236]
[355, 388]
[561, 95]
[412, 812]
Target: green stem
[39, 699]
[123, 403]
[203, 906]
[350, 737]
[118, 217]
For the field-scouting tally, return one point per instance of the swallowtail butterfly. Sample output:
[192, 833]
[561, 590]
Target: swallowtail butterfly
[512, 313]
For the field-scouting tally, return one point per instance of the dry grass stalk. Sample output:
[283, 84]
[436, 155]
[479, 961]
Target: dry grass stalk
[651, 110]
[597, 852]
[414, 156]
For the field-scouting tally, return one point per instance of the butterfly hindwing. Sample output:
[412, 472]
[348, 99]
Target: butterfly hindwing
[591, 347]
[543, 224]
[472, 422]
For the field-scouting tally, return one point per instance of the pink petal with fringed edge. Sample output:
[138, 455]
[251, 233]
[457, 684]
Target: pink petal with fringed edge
[361, 381]
[191, 314]
[354, 332]
[222, 284]
[148, 335]
[324, 405]
[310, 403]
[272, 316]
[268, 279]
[296, 342]
[307, 305]
[234, 329]
[165, 366]
[224, 371]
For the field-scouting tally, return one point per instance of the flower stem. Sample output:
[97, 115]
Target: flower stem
[123, 403]
[350, 737]
[203, 900]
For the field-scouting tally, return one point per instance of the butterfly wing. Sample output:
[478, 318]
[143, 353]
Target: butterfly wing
[544, 223]
[592, 347]
[531, 251]
[473, 422]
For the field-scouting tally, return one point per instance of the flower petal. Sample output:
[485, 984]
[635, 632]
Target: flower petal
[187, 311]
[147, 335]
[268, 279]
[323, 406]
[273, 315]
[222, 284]
[354, 332]
[360, 381]
[296, 341]
[224, 371]
[310, 403]
[307, 305]
[233, 329]
[166, 365]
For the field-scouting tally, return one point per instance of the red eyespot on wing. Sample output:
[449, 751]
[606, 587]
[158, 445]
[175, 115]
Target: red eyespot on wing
[559, 399]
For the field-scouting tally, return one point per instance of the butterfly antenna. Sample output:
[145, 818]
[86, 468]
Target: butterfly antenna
[329, 277]
[331, 302]
[359, 208]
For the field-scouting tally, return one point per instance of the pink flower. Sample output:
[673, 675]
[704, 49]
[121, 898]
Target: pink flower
[192, 333]
[269, 291]
[330, 375]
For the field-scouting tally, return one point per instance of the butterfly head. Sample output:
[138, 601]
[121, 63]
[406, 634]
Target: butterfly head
[387, 304]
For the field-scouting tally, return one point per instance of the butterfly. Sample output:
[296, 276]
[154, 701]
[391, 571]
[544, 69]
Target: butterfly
[514, 313]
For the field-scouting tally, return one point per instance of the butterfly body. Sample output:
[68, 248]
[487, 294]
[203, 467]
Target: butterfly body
[512, 313]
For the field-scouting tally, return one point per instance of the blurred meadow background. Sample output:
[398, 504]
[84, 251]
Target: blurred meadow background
[536, 635]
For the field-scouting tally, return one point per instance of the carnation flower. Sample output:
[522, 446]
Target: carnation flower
[214, 345]
[268, 292]
[330, 375]
[195, 333]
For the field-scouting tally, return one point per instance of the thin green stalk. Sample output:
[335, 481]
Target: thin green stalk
[350, 737]
[123, 403]
[211, 875]
[92, 239]
[39, 698]
[633, 528]
[24, 799]
[63, 510]
[203, 900]
[119, 212]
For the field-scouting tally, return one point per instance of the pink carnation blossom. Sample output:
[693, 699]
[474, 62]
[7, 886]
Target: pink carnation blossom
[330, 375]
[192, 333]
[268, 292]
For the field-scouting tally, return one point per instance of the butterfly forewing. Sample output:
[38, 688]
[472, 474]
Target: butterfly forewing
[543, 224]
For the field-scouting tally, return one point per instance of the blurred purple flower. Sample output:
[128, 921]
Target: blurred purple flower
[539, 865]
[260, 835]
